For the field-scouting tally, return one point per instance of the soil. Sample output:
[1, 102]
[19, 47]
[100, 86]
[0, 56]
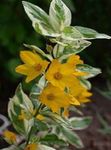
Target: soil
[91, 137]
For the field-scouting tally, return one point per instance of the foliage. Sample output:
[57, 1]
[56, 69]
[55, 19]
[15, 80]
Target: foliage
[61, 82]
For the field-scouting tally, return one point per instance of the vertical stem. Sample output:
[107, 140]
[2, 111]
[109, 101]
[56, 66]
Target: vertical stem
[29, 136]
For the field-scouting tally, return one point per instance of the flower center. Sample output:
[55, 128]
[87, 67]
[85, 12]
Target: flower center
[50, 96]
[57, 75]
[38, 67]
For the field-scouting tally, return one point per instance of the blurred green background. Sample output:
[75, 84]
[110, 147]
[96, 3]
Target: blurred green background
[16, 29]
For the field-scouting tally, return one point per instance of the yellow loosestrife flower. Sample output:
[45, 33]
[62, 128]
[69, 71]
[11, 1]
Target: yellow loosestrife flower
[74, 60]
[59, 74]
[33, 65]
[31, 147]
[10, 136]
[54, 98]
[79, 92]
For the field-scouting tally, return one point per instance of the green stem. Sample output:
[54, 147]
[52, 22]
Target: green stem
[30, 133]
[40, 106]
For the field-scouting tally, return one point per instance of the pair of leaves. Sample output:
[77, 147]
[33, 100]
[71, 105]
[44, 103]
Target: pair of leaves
[49, 25]
[19, 102]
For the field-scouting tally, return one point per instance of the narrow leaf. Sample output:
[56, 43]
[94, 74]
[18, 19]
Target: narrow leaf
[80, 123]
[72, 137]
[92, 72]
[71, 33]
[91, 33]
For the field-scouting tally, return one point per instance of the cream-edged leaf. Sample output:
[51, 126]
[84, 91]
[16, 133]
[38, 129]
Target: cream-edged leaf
[59, 14]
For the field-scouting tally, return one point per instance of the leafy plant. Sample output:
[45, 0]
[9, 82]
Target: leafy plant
[42, 117]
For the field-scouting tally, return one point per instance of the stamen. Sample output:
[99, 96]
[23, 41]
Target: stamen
[57, 75]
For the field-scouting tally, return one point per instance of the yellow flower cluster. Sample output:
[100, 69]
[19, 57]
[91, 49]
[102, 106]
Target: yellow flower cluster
[63, 88]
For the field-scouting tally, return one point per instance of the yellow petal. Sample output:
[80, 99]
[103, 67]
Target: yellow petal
[74, 60]
[29, 57]
[67, 69]
[84, 100]
[85, 93]
[79, 73]
[40, 117]
[32, 75]
[22, 69]
[74, 101]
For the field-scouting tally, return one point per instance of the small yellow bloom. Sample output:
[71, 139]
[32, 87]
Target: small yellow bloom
[32, 147]
[40, 117]
[74, 60]
[10, 136]
[33, 65]
[79, 92]
[59, 74]
[55, 98]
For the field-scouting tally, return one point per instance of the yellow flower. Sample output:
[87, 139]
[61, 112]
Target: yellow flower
[10, 136]
[79, 92]
[33, 65]
[59, 74]
[32, 147]
[40, 117]
[74, 60]
[55, 98]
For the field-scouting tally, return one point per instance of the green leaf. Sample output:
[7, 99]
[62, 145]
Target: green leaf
[41, 125]
[80, 123]
[40, 20]
[92, 72]
[53, 139]
[91, 34]
[75, 110]
[56, 118]
[85, 83]
[70, 4]
[71, 33]
[59, 14]
[72, 137]
[44, 147]
[37, 88]
[74, 47]
[19, 102]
